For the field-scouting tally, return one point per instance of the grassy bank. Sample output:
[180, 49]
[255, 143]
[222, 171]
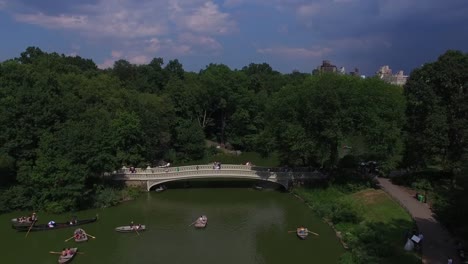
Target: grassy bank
[370, 223]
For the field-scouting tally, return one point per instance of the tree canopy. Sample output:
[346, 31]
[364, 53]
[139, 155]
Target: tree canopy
[64, 122]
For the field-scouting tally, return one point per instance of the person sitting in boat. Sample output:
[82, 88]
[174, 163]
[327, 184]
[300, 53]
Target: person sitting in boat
[73, 221]
[138, 226]
[131, 224]
[69, 252]
[33, 217]
[64, 252]
[51, 224]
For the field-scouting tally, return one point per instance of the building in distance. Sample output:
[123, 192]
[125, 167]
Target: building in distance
[385, 73]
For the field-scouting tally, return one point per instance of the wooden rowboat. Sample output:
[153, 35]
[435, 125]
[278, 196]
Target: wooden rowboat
[68, 258]
[259, 188]
[161, 188]
[201, 222]
[128, 229]
[80, 235]
[302, 232]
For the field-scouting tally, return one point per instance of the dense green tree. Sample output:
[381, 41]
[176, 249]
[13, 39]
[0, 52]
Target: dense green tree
[437, 112]
[311, 121]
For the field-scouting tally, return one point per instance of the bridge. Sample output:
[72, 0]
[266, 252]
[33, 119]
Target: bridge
[155, 176]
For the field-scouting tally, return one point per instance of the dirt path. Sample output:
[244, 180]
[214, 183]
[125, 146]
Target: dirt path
[438, 244]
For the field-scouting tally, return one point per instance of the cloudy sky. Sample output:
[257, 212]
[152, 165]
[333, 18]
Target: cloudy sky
[287, 34]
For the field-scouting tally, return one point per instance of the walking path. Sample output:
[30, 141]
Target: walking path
[437, 242]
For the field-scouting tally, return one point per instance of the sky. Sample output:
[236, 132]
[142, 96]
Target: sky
[287, 34]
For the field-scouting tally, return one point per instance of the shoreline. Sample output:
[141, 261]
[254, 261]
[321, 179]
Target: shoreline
[337, 233]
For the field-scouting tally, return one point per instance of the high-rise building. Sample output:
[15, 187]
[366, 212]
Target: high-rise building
[385, 73]
[326, 67]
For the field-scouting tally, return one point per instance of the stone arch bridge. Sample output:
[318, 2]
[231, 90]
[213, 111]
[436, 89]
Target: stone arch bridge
[154, 176]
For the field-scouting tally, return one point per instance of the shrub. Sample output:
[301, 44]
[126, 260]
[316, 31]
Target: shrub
[345, 211]
[106, 197]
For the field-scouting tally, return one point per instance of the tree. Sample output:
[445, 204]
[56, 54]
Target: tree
[174, 69]
[311, 121]
[437, 113]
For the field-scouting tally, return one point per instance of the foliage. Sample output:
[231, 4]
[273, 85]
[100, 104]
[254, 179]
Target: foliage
[64, 122]
[311, 121]
[437, 113]
[370, 222]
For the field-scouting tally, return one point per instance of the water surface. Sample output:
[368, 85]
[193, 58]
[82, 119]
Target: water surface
[244, 226]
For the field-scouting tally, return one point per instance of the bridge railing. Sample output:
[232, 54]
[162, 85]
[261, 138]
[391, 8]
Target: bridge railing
[159, 170]
[218, 173]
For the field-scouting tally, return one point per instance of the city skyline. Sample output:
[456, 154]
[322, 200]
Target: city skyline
[288, 35]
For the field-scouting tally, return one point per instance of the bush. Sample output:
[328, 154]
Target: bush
[107, 196]
[345, 211]
[55, 207]
[367, 243]
[14, 198]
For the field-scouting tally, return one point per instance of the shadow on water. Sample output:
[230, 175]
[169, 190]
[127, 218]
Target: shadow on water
[222, 183]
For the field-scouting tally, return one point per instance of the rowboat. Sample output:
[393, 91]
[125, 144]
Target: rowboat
[68, 258]
[201, 222]
[161, 188]
[80, 235]
[302, 232]
[128, 229]
[43, 227]
[259, 188]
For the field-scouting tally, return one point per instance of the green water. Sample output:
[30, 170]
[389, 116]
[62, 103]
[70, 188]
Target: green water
[244, 226]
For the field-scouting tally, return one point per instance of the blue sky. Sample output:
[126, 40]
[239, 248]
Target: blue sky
[287, 34]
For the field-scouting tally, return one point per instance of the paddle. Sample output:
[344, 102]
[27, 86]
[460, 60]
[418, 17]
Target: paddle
[90, 235]
[30, 228]
[193, 222]
[60, 253]
[292, 231]
[136, 230]
[312, 232]
[69, 238]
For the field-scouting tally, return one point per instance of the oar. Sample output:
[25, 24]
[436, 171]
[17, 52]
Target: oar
[54, 252]
[136, 230]
[30, 228]
[193, 222]
[90, 235]
[312, 232]
[292, 231]
[69, 238]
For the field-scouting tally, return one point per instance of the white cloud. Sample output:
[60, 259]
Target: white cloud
[292, 52]
[206, 18]
[139, 59]
[204, 42]
[61, 21]
[139, 30]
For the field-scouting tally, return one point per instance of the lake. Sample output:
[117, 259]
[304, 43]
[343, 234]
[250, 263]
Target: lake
[244, 226]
